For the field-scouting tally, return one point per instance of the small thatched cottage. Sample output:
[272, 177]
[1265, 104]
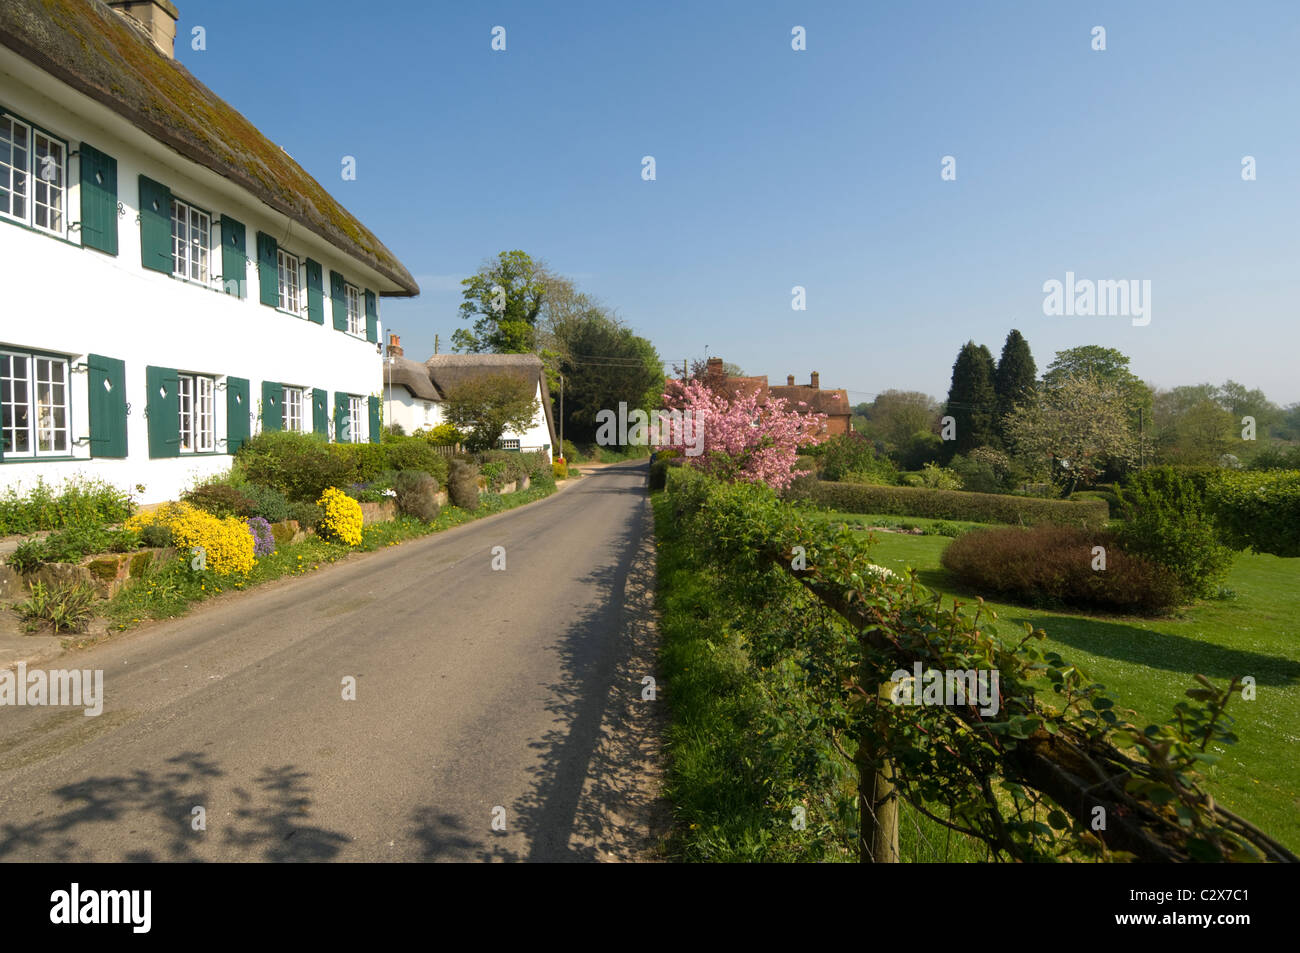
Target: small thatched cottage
[414, 391]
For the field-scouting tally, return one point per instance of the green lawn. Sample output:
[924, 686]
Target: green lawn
[1149, 663]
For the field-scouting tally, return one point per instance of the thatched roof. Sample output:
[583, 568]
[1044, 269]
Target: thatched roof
[99, 53]
[448, 370]
[414, 376]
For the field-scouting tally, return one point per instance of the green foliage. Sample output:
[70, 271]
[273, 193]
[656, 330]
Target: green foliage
[220, 499]
[72, 545]
[972, 400]
[412, 453]
[503, 300]
[307, 513]
[300, 465]
[417, 495]
[267, 502]
[495, 474]
[921, 448]
[156, 535]
[77, 502]
[629, 369]
[487, 405]
[966, 764]
[1168, 522]
[957, 505]
[1259, 510]
[462, 485]
[571, 453]
[852, 454]
[443, 435]
[894, 417]
[1276, 457]
[1015, 380]
[1052, 565]
[27, 556]
[64, 608]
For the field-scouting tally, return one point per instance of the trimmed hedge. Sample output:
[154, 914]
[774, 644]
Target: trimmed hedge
[1053, 564]
[1258, 509]
[958, 505]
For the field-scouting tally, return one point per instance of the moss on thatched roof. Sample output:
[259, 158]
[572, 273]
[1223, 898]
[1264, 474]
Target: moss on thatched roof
[97, 52]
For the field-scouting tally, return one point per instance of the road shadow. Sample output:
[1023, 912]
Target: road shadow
[595, 796]
[270, 821]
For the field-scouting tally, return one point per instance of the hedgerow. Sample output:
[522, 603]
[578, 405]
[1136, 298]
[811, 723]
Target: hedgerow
[1258, 509]
[957, 505]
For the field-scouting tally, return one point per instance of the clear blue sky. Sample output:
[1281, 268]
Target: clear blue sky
[817, 168]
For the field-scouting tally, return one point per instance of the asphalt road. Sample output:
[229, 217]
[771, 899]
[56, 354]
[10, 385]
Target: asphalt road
[475, 690]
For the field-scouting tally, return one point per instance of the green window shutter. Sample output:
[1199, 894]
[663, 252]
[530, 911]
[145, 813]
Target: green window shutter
[99, 200]
[234, 257]
[320, 411]
[156, 228]
[163, 408]
[107, 406]
[372, 317]
[268, 270]
[341, 417]
[236, 413]
[339, 300]
[272, 406]
[315, 293]
[374, 420]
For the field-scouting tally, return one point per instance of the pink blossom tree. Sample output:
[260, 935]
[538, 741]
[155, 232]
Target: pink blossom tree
[748, 437]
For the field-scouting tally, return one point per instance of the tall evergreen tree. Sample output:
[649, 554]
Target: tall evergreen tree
[1015, 378]
[972, 400]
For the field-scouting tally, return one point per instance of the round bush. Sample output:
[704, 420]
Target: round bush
[462, 484]
[268, 503]
[219, 500]
[342, 520]
[417, 495]
[1054, 564]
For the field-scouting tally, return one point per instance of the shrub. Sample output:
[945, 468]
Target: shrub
[1276, 457]
[412, 453]
[71, 545]
[76, 503]
[226, 542]
[1169, 523]
[852, 453]
[65, 608]
[495, 474]
[307, 514]
[1053, 564]
[299, 465]
[263, 538]
[341, 519]
[28, 556]
[658, 478]
[984, 470]
[956, 505]
[560, 469]
[462, 484]
[417, 495]
[1106, 496]
[392, 430]
[1259, 510]
[268, 503]
[219, 500]
[443, 435]
[570, 452]
[157, 536]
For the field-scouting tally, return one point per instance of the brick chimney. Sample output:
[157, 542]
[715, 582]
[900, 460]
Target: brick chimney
[815, 382]
[394, 345]
[789, 380]
[713, 369]
[156, 17]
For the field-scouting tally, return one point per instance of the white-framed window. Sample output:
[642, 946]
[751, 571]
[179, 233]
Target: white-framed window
[356, 320]
[34, 405]
[198, 422]
[511, 443]
[292, 407]
[33, 176]
[356, 420]
[290, 285]
[191, 242]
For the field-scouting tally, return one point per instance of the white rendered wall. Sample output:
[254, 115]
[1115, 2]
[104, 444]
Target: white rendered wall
[62, 298]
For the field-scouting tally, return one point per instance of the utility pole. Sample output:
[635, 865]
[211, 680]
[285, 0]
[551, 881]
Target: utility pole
[435, 344]
[1142, 447]
[561, 415]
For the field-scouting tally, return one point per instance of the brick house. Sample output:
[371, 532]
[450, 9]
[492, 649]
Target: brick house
[833, 403]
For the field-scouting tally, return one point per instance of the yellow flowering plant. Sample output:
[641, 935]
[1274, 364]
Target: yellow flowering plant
[342, 520]
[226, 542]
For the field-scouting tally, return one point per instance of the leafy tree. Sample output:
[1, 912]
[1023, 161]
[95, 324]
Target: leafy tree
[1105, 365]
[972, 400]
[503, 300]
[490, 404]
[1190, 426]
[1016, 377]
[1073, 431]
[894, 416]
[604, 364]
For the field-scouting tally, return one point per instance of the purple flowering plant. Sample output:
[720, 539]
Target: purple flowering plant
[263, 538]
